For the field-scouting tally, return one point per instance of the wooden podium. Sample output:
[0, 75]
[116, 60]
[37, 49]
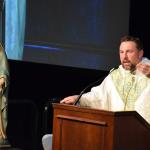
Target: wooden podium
[78, 128]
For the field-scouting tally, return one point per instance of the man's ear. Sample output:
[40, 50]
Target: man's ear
[141, 53]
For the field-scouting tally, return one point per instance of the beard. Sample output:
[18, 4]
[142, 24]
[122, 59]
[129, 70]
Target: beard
[129, 66]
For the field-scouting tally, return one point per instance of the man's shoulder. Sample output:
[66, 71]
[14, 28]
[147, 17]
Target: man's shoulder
[115, 70]
[115, 73]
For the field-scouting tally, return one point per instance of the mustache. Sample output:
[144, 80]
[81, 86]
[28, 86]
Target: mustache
[126, 61]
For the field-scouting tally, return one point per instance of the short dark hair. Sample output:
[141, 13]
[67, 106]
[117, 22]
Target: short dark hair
[137, 40]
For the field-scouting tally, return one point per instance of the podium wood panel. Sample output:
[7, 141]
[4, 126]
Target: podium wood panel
[78, 128]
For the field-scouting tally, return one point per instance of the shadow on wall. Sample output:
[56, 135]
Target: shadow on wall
[22, 128]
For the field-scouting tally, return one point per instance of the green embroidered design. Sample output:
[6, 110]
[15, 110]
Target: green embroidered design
[129, 86]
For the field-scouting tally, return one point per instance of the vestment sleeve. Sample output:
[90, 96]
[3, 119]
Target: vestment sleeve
[97, 97]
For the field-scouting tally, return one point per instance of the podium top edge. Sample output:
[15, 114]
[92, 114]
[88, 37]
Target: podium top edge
[73, 108]
[92, 110]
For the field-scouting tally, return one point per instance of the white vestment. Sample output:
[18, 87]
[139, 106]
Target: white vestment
[121, 91]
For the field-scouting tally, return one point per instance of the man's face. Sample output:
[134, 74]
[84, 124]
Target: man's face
[130, 56]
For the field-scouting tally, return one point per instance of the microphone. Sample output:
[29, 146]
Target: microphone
[92, 84]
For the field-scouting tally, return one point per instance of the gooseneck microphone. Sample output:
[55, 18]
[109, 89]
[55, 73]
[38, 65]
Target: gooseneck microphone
[92, 84]
[86, 88]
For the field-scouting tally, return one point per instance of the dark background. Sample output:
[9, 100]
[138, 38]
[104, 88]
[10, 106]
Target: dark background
[139, 25]
[83, 34]
[33, 86]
